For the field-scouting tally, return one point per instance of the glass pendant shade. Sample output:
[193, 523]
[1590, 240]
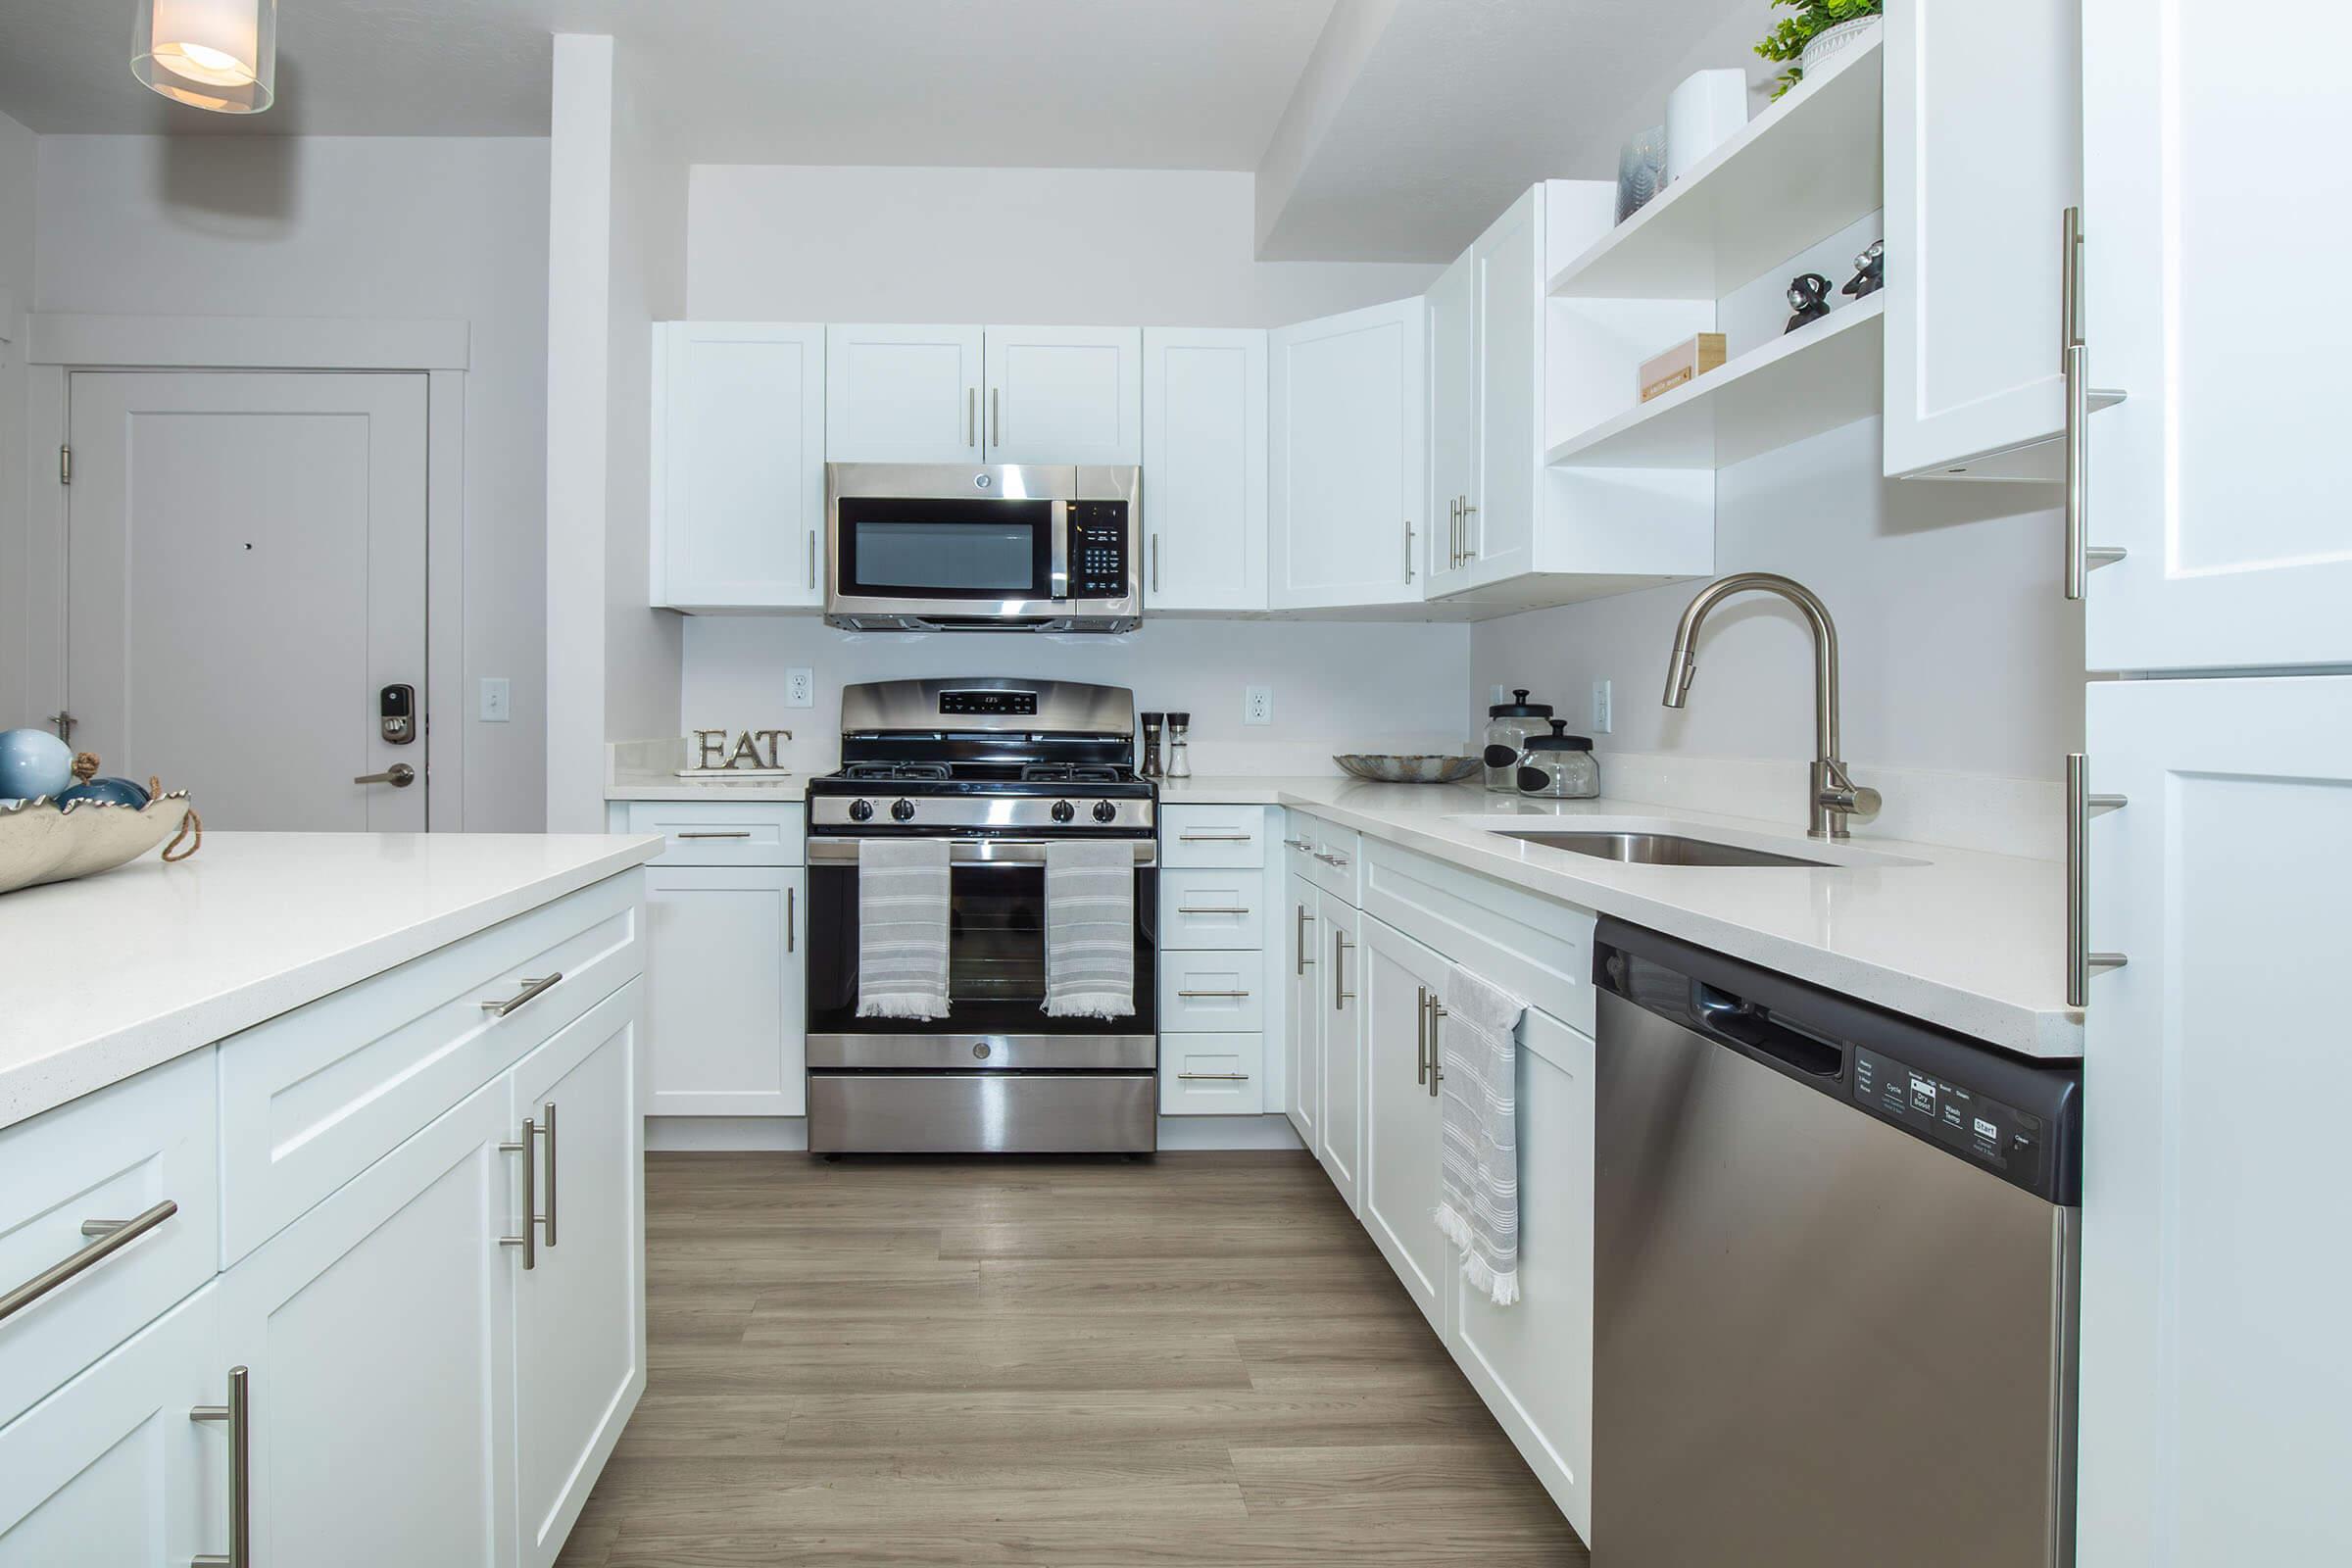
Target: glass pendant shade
[219, 55]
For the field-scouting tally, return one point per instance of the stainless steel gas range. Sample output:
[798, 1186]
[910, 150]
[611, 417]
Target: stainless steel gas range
[1000, 769]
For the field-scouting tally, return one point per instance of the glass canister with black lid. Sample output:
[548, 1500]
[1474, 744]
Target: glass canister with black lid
[1508, 725]
[1560, 766]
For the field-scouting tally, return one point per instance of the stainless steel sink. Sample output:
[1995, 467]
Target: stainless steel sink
[1658, 848]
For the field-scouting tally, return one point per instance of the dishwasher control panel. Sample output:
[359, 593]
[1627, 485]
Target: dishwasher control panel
[1972, 1124]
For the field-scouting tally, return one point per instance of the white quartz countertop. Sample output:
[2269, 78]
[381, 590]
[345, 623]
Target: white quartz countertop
[110, 975]
[1970, 941]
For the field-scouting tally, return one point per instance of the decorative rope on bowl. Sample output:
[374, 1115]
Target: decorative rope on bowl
[191, 826]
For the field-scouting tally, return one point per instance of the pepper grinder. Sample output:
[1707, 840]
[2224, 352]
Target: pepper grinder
[1180, 761]
[1151, 723]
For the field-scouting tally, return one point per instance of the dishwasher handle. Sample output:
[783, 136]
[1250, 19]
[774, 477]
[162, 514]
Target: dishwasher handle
[1754, 1028]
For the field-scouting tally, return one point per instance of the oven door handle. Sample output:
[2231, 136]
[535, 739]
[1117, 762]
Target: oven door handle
[972, 852]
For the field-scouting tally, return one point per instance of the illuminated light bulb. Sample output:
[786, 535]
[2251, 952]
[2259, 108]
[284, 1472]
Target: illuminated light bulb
[219, 55]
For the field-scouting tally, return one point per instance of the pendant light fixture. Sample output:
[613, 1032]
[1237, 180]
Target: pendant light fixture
[219, 55]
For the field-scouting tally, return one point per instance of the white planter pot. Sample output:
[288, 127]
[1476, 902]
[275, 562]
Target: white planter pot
[1834, 41]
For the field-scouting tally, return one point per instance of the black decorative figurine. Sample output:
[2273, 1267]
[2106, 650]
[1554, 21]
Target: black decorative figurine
[1870, 272]
[1809, 297]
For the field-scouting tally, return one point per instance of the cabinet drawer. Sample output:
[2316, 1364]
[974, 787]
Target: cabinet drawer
[1335, 864]
[1229, 836]
[310, 1099]
[1219, 908]
[724, 832]
[1212, 1075]
[117, 1155]
[1215, 992]
[1535, 948]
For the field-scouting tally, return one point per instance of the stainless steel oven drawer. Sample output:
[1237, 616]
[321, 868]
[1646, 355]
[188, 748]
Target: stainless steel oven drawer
[976, 1113]
[865, 1053]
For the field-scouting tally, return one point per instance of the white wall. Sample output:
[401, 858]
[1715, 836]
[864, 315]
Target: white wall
[19, 149]
[1027, 246]
[1336, 687]
[347, 226]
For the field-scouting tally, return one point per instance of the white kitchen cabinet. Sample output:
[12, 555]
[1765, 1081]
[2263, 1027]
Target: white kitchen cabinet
[902, 394]
[378, 1330]
[2220, 475]
[1984, 157]
[1064, 395]
[579, 1313]
[109, 1471]
[1399, 978]
[1498, 518]
[1302, 1010]
[726, 1003]
[1452, 421]
[1204, 469]
[2215, 1370]
[1347, 458]
[739, 466]
[1338, 998]
[1212, 1074]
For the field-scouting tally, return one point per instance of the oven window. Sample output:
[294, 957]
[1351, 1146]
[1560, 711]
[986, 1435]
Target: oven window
[997, 934]
[947, 549]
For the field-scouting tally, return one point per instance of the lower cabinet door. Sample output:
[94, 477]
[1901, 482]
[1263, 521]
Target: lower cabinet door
[1399, 978]
[1532, 1361]
[1339, 969]
[109, 1471]
[579, 1312]
[377, 1328]
[726, 1004]
[1302, 1017]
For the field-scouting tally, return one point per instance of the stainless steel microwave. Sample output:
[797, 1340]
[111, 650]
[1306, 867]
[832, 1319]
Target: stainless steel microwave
[938, 546]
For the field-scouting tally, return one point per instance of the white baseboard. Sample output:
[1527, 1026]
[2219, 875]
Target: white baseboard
[714, 1133]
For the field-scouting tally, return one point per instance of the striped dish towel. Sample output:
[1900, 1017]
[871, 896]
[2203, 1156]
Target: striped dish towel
[1090, 930]
[902, 929]
[1479, 1171]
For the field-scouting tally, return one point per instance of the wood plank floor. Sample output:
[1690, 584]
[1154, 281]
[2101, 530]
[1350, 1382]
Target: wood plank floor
[1200, 1358]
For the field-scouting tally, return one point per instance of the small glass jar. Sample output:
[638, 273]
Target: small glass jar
[1508, 725]
[1560, 766]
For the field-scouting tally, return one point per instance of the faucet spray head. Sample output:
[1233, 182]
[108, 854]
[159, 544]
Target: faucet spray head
[1679, 670]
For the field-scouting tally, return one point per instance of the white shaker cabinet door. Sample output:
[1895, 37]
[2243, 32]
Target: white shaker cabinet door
[902, 394]
[2215, 191]
[1065, 395]
[1338, 992]
[726, 1005]
[739, 453]
[1301, 1016]
[1399, 977]
[2215, 1367]
[579, 1313]
[378, 1331]
[1348, 460]
[1982, 160]
[1204, 469]
[1452, 394]
[1498, 529]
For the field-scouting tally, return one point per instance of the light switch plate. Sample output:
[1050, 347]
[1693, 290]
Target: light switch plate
[1600, 708]
[799, 688]
[1257, 705]
[497, 702]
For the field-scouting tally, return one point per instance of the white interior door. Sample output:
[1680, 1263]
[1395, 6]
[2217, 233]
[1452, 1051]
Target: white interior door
[2216, 1371]
[2215, 194]
[246, 571]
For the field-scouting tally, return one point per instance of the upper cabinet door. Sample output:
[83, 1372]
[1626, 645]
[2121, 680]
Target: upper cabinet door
[739, 464]
[1204, 469]
[1508, 271]
[1347, 458]
[902, 394]
[2215, 197]
[1983, 161]
[1452, 422]
[1065, 395]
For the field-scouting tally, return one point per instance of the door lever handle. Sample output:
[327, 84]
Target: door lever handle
[400, 775]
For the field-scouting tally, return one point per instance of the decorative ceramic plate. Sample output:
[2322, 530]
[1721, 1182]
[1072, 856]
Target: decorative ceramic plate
[41, 840]
[1384, 769]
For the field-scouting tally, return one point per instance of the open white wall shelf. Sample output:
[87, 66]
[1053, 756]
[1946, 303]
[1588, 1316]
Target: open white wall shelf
[1796, 386]
[1809, 165]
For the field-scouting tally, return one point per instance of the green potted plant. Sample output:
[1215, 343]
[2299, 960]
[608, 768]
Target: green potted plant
[1819, 28]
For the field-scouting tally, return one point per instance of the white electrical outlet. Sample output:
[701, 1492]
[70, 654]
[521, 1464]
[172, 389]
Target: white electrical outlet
[497, 703]
[1257, 705]
[799, 688]
[1600, 708]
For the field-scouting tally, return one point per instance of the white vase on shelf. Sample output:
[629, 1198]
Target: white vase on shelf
[1831, 42]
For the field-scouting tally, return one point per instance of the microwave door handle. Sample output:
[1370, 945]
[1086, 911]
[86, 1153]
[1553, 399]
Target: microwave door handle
[1060, 588]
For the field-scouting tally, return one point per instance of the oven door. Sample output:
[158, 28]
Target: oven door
[996, 1020]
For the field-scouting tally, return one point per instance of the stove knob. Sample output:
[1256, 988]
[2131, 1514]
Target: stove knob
[1104, 811]
[901, 812]
[1063, 810]
[861, 811]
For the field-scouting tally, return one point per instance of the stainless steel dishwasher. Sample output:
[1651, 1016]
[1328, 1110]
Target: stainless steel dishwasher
[1835, 1264]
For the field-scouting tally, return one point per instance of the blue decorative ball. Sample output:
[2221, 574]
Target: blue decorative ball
[113, 791]
[33, 761]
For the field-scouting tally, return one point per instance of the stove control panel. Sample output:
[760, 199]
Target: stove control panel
[1078, 815]
[992, 703]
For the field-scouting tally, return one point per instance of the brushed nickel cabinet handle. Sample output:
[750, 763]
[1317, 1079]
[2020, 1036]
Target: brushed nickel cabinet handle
[1469, 550]
[996, 416]
[1228, 995]
[2082, 558]
[1341, 996]
[813, 582]
[112, 1235]
[1298, 942]
[1210, 909]
[1215, 838]
[528, 1241]
[547, 1131]
[1408, 551]
[1436, 1074]
[531, 991]
[1214, 1077]
[971, 416]
[237, 1416]
[1421, 1038]
[713, 833]
[2080, 804]
[1299, 843]
[792, 918]
[1338, 862]
[1155, 561]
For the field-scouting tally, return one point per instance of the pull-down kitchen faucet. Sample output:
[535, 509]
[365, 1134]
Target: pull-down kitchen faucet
[1833, 795]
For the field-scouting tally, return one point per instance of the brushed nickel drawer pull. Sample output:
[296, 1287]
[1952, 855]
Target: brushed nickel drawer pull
[1338, 862]
[1216, 837]
[1224, 994]
[531, 990]
[112, 1235]
[730, 833]
[1215, 1077]
[1299, 843]
[237, 1416]
[1210, 909]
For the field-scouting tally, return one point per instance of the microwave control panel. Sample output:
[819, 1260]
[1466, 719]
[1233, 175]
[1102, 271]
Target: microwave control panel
[1099, 564]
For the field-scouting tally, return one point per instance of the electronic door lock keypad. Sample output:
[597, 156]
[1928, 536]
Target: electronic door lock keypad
[396, 714]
